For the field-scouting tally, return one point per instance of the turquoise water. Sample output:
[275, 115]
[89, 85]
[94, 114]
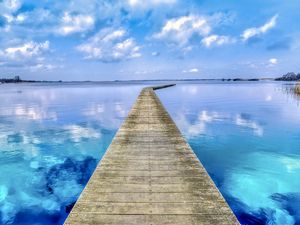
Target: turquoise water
[247, 136]
[53, 135]
[51, 139]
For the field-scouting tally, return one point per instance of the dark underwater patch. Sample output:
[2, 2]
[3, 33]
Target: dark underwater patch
[69, 207]
[290, 202]
[80, 170]
[14, 138]
[244, 213]
[252, 219]
[70, 170]
[38, 217]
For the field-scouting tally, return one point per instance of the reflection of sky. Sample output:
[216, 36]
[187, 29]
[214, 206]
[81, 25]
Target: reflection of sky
[51, 138]
[247, 137]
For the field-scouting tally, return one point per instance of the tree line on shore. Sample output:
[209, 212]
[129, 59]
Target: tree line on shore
[291, 76]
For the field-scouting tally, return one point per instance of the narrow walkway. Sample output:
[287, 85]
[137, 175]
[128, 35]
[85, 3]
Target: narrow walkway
[150, 176]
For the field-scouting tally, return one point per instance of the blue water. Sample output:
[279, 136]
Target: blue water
[247, 136]
[52, 136]
[51, 139]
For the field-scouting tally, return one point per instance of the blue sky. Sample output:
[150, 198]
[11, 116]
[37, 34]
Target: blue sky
[149, 39]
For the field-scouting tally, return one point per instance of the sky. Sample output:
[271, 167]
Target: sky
[149, 39]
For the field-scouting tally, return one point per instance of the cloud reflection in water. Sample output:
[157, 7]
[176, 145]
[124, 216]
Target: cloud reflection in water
[51, 139]
[247, 137]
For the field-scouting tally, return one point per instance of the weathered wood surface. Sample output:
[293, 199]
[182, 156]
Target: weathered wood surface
[150, 175]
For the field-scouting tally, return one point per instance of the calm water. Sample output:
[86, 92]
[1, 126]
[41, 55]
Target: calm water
[248, 138]
[52, 136]
[51, 139]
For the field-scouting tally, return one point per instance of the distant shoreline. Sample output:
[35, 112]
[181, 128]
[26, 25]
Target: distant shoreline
[7, 81]
[283, 78]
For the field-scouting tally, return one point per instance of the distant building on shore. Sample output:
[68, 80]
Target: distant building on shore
[16, 79]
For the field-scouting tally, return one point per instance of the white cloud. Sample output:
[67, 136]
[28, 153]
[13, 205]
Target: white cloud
[30, 112]
[110, 45]
[7, 10]
[146, 3]
[155, 54]
[209, 117]
[20, 18]
[27, 50]
[120, 109]
[94, 110]
[291, 164]
[181, 30]
[75, 23]
[78, 132]
[198, 127]
[193, 70]
[42, 66]
[255, 31]
[9, 18]
[273, 61]
[243, 122]
[268, 98]
[216, 40]
[29, 55]
[12, 5]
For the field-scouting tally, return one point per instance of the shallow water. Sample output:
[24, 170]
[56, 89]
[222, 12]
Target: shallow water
[247, 136]
[53, 135]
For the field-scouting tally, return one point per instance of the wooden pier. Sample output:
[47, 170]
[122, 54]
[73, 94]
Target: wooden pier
[149, 175]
